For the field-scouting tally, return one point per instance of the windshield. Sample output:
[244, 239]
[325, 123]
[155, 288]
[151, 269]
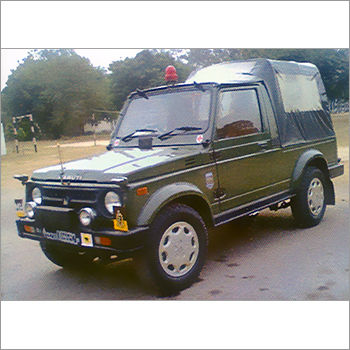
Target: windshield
[166, 112]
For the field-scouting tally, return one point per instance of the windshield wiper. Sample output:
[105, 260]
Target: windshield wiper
[142, 94]
[131, 135]
[182, 128]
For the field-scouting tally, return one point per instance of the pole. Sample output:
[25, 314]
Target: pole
[14, 122]
[32, 129]
[93, 120]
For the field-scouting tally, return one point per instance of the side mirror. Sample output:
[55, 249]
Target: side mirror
[22, 178]
[206, 143]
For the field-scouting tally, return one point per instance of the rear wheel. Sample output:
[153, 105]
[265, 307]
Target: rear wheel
[176, 248]
[309, 205]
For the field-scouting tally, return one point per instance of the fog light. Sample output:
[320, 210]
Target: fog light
[29, 209]
[86, 216]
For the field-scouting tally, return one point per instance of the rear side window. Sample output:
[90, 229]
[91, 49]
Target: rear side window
[239, 114]
[299, 93]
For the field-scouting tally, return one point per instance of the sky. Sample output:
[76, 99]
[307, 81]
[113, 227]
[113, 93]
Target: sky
[11, 58]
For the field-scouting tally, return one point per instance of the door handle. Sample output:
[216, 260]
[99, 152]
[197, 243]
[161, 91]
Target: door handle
[215, 155]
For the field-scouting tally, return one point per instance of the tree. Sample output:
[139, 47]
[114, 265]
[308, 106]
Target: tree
[143, 71]
[59, 88]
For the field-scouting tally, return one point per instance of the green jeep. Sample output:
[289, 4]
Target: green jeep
[234, 139]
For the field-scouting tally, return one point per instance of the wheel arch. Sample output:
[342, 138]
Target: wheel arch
[183, 193]
[316, 159]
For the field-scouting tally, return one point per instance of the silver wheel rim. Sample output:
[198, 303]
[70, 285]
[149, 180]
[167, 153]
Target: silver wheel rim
[178, 249]
[315, 196]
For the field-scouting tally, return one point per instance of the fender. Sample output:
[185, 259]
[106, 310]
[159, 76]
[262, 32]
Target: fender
[316, 158]
[165, 195]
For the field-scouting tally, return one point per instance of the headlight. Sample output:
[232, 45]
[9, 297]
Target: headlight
[36, 195]
[86, 216]
[112, 200]
[29, 209]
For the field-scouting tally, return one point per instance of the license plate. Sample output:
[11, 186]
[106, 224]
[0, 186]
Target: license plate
[62, 236]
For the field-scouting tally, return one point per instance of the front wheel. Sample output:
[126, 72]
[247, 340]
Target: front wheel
[309, 205]
[176, 249]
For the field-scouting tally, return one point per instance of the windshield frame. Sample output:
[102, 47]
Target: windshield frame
[186, 138]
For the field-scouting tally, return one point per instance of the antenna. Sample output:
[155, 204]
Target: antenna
[60, 158]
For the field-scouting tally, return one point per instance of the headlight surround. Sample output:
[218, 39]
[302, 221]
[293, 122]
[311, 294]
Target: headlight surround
[87, 216]
[37, 196]
[29, 209]
[112, 199]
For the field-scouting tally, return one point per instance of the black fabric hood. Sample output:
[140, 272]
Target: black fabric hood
[296, 90]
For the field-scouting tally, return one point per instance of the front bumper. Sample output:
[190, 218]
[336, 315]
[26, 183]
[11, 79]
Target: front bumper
[120, 242]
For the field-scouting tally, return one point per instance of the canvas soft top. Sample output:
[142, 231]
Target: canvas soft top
[296, 90]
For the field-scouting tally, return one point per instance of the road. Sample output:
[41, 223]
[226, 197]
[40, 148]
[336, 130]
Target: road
[266, 258]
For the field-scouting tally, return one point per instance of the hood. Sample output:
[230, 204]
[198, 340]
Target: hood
[130, 163]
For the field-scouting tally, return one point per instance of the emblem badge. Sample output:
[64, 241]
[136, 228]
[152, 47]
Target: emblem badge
[119, 223]
[72, 177]
[209, 180]
[66, 201]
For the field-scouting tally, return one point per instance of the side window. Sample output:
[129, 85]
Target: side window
[238, 114]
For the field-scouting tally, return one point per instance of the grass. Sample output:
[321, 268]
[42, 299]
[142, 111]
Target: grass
[27, 160]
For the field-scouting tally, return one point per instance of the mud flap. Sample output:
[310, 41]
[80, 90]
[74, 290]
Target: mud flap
[330, 195]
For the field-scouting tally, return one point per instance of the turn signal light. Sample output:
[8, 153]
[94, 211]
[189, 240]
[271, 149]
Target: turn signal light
[142, 191]
[103, 241]
[29, 228]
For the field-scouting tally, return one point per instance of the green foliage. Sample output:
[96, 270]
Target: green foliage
[24, 131]
[333, 64]
[9, 132]
[22, 135]
[144, 71]
[59, 88]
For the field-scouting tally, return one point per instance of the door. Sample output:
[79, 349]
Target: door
[244, 154]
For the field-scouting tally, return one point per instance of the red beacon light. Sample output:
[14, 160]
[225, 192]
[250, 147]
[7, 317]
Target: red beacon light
[170, 74]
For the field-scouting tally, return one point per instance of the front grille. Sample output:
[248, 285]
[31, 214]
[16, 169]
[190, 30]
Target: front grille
[69, 197]
[75, 194]
[62, 199]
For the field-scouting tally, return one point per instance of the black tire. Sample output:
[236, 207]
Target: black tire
[304, 213]
[64, 256]
[171, 216]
